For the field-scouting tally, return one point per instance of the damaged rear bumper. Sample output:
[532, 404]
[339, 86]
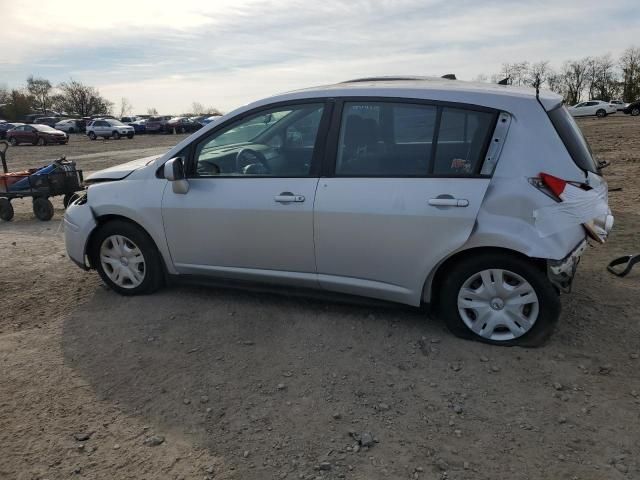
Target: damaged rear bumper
[561, 272]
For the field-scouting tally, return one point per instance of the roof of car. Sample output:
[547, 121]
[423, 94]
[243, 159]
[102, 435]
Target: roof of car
[435, 88]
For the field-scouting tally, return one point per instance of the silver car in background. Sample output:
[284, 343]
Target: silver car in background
[474, 198]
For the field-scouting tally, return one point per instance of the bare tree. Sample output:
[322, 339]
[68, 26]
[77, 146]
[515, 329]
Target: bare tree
[82, 100]
[574, 75]
[515, 72]
[125, 107]
[40, 90]
[199, 109]
[537, 74]
[152, 111]
[630, 65]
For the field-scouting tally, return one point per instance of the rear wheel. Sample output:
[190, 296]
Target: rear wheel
[500, 299]
[6, 209]
[116, 135]
[92, 135]
[42, 208]
[126, 258]
[635, 111]
[601, 113]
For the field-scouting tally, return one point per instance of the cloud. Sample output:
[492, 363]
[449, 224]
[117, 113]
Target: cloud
[167, 54]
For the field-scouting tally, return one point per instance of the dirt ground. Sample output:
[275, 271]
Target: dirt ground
[198, 383]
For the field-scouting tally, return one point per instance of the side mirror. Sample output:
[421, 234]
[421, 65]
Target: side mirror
[174, 172]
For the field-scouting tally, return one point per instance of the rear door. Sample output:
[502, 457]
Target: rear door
[402, 190]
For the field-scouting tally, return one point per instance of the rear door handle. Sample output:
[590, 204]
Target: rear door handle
[448, 202]
[288, 197]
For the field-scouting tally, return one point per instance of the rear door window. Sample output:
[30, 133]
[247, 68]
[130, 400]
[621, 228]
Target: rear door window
[387, 139]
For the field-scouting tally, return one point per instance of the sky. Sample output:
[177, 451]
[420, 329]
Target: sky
[226, 53]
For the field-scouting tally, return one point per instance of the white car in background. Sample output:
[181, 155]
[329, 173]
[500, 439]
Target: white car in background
[109, 127]
[70, 125]
[592, 107]
[619, 104]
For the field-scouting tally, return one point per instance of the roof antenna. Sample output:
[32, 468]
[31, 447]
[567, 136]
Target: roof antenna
[449, 76]
[504, 81]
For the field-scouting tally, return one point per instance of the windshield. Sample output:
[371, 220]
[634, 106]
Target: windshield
[573, 139]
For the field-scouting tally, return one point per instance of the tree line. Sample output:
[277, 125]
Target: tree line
[40, 96]
[601, 77]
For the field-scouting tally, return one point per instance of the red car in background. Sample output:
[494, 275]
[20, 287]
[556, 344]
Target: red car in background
[36, 135]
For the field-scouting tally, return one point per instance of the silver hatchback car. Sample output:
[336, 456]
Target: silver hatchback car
[476, 199]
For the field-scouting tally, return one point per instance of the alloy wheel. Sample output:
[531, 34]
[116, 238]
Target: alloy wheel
[498, 305]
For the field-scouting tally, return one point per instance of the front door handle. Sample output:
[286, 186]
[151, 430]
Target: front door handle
[448, 202]
[288, 197]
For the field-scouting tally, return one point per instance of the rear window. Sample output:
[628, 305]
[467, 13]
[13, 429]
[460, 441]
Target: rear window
[573, 139]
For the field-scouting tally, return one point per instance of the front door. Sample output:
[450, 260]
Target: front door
[249, 209]
[404, 193]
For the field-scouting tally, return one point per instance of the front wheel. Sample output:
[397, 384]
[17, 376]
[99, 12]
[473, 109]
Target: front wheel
[126, 258]
[41, 141]
[116, 135]
[601, 113]
[13, 141]
[500, 299]
[635, 111]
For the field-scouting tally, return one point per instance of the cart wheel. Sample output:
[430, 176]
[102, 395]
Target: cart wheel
[67, 199]
[6, 210]
[42, 208]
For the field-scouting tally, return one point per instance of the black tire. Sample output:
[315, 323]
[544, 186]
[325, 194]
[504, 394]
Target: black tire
[130, 136]
[116, 135]
[92, 135]
[153, 275]
[66, 200]
[601, 113]
[6, 210]
[458, 273]
[41, 142]
[13, 141]
[635, 111]
[42, 208]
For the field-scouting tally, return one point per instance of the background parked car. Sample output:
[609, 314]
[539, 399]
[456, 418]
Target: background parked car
[129, 120]
[36, 135]
[619, 104]
[157, 124]
[210, 119]
[181, 125]
[592, 107]
[5, 127]
[49, 121]
[70, 125]
[109, 127]
[139, 126]
[633, 108]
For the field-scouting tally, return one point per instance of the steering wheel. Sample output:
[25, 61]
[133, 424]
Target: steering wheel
[251, 157]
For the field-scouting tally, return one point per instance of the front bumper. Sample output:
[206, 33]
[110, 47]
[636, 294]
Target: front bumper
[79, 222]
[561, 272]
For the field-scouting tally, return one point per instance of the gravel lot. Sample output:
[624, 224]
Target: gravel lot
[199, 383]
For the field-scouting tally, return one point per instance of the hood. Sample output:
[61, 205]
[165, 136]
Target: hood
[118, 172]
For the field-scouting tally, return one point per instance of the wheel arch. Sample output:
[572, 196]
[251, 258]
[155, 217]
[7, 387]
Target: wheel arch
[110, 217]
[434, 280]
